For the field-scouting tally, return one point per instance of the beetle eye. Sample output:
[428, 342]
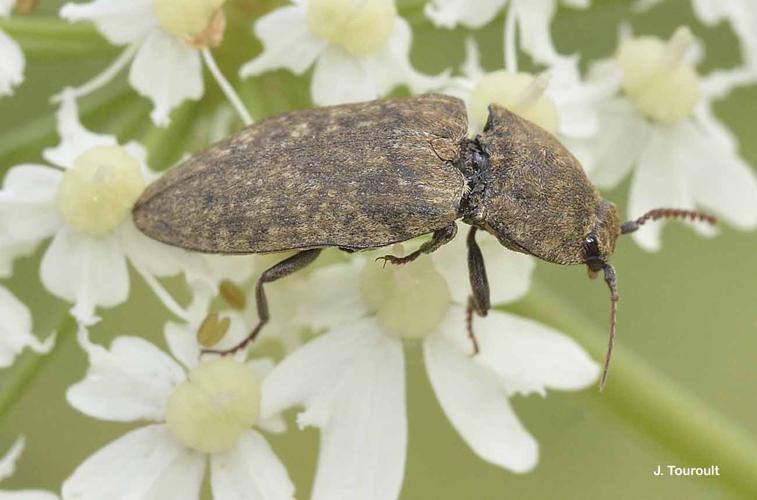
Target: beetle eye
[591, 247]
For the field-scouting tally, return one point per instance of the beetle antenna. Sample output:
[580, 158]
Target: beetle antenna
[666, 213]
[612, 284]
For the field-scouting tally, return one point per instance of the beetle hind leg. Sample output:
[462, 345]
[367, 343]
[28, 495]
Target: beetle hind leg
[440, 237]
[284, 268]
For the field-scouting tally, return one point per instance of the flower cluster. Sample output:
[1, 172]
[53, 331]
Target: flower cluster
[338, 328]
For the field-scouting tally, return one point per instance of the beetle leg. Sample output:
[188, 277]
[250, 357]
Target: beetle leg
[277, 271]
[478, 301]
[441, 237]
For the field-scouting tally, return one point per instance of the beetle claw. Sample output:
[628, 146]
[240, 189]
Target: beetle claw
[397, 261]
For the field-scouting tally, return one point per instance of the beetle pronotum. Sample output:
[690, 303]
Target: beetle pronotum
[367, 175]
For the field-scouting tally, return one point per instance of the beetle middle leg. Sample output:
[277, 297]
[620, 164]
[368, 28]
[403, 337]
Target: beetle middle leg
[284, 268]
[440, 237]
[478, 301]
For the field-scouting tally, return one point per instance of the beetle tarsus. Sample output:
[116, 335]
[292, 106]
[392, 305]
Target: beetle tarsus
[440, 237]
[469, 324]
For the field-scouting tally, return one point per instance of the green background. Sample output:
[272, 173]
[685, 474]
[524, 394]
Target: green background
[682, 386]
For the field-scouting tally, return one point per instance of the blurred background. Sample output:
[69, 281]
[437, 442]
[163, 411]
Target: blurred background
[682, 388]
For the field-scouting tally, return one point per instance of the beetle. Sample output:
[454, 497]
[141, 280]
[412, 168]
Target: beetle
[366, 175]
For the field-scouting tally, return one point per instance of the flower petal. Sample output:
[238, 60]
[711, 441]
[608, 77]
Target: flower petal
[130, 381]
[450, 13]
[251, 471]
[167, 71]
[351, 381]
[721, 180]
[338, 301]
[118, 21]
[27, 203]
[87, 271]
[8, 461]
[6, 6]
[391, 67]
[15, 330]
[341, 78]
[145, 464]
[534, 18]
[12, 64]
[74, 138]
[296, 51]
[623, 133]
[472, 399]
[509, 272]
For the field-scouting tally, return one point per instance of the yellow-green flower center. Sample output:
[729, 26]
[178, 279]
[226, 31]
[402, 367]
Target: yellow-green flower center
[219, 400]
[186, 18]
[97, 193]
[409, 301]
[657, 77]
[521, 93]
[361, 27]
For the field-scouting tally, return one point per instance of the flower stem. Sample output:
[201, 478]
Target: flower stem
[226, 87]
[103, 78]
[48, 37]
[511, 51]
[648, 399]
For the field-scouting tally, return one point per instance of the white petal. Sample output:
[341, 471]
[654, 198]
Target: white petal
[145, 464]
[6, 6]
[710, 12]
[15, 330]
[27, 203]
[450, 13]
[622, 135]
[90, 272]
[296, 51]
[75, 139]
[182, 342]
[8, 461]
[130, 381]
[721, 180]
[10, 251]
[528, 356]
[391, 67]
[342, 78]
[352, 383]
[661, 180]
[471, 67]
[12, 64]
[476, 406]
[167, 71]
[534, 18]
[338, 301]
[120, 22]
[509, 272]
[251, 471]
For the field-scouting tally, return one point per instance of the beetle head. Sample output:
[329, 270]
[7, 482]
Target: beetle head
[540, 202]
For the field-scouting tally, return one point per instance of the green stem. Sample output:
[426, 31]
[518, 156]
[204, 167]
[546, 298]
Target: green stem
[648, 399]
[49, 37]
[29, 364]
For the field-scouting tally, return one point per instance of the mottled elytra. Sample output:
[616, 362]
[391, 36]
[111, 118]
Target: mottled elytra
[366, 175]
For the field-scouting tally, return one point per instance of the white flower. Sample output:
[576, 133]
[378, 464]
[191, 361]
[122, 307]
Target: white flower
[557, 100]
[164, 40]
[360, 48]
[351, 379]
[7, 468]
[533, 18]
[203, 411]
[662, 128]
[16, 330]
[85, 205]
[12, 60]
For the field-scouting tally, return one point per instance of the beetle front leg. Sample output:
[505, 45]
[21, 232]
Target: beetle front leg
[284, 268]
[440, 237]
[478, 301]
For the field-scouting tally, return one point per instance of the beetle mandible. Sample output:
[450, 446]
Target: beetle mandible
[367, 175]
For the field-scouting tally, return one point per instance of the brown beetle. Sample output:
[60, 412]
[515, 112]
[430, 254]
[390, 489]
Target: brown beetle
[366, 175]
